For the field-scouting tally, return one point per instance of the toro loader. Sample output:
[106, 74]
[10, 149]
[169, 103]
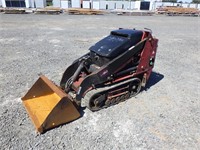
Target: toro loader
[114, 69]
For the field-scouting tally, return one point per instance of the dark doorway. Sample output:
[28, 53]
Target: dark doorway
[15, 3]
[49, 2]
[144, 5]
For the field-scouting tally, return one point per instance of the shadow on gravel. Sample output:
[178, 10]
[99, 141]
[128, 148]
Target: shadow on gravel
[155, 77]
[81, 111]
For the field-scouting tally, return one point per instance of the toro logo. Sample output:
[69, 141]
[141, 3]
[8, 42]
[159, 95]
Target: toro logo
[103, 73]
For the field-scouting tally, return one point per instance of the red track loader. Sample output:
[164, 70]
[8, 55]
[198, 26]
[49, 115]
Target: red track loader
[114, 69]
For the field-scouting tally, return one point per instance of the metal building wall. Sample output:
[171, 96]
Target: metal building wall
[15, 3]
[24, 3]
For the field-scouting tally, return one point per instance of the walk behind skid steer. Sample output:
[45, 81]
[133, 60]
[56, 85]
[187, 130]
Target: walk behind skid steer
[112, 71]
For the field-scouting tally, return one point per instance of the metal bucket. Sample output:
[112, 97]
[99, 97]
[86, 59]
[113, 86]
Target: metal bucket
[48, 106]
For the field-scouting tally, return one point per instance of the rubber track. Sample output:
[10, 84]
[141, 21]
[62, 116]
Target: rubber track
[85, 101]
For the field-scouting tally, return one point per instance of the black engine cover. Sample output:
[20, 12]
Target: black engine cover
[116, 43]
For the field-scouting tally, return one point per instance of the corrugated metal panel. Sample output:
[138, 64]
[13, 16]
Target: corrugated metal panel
[15, 3]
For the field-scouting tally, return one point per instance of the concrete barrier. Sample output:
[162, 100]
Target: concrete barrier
[3, 3]
[64, 4]
[198, 6]
[86, 4]
[95, 5]
[76, 4]
[185, 5]
[193, 5]
[56, 3]
[40, 3]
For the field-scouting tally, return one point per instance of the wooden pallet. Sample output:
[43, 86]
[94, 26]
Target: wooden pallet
[1, 9]
[136, 13]
[14, 11]
[48, 11]
[53, 8]
[178, 11]
[84, 11]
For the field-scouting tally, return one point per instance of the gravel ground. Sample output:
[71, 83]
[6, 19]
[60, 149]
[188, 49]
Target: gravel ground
[166, 115]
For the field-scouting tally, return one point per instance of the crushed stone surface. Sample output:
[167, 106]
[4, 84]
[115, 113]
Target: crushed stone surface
[165, 115]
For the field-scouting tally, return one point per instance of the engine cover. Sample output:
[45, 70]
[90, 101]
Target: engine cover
[117, 42]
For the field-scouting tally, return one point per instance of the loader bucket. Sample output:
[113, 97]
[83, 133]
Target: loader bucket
[48, 106]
